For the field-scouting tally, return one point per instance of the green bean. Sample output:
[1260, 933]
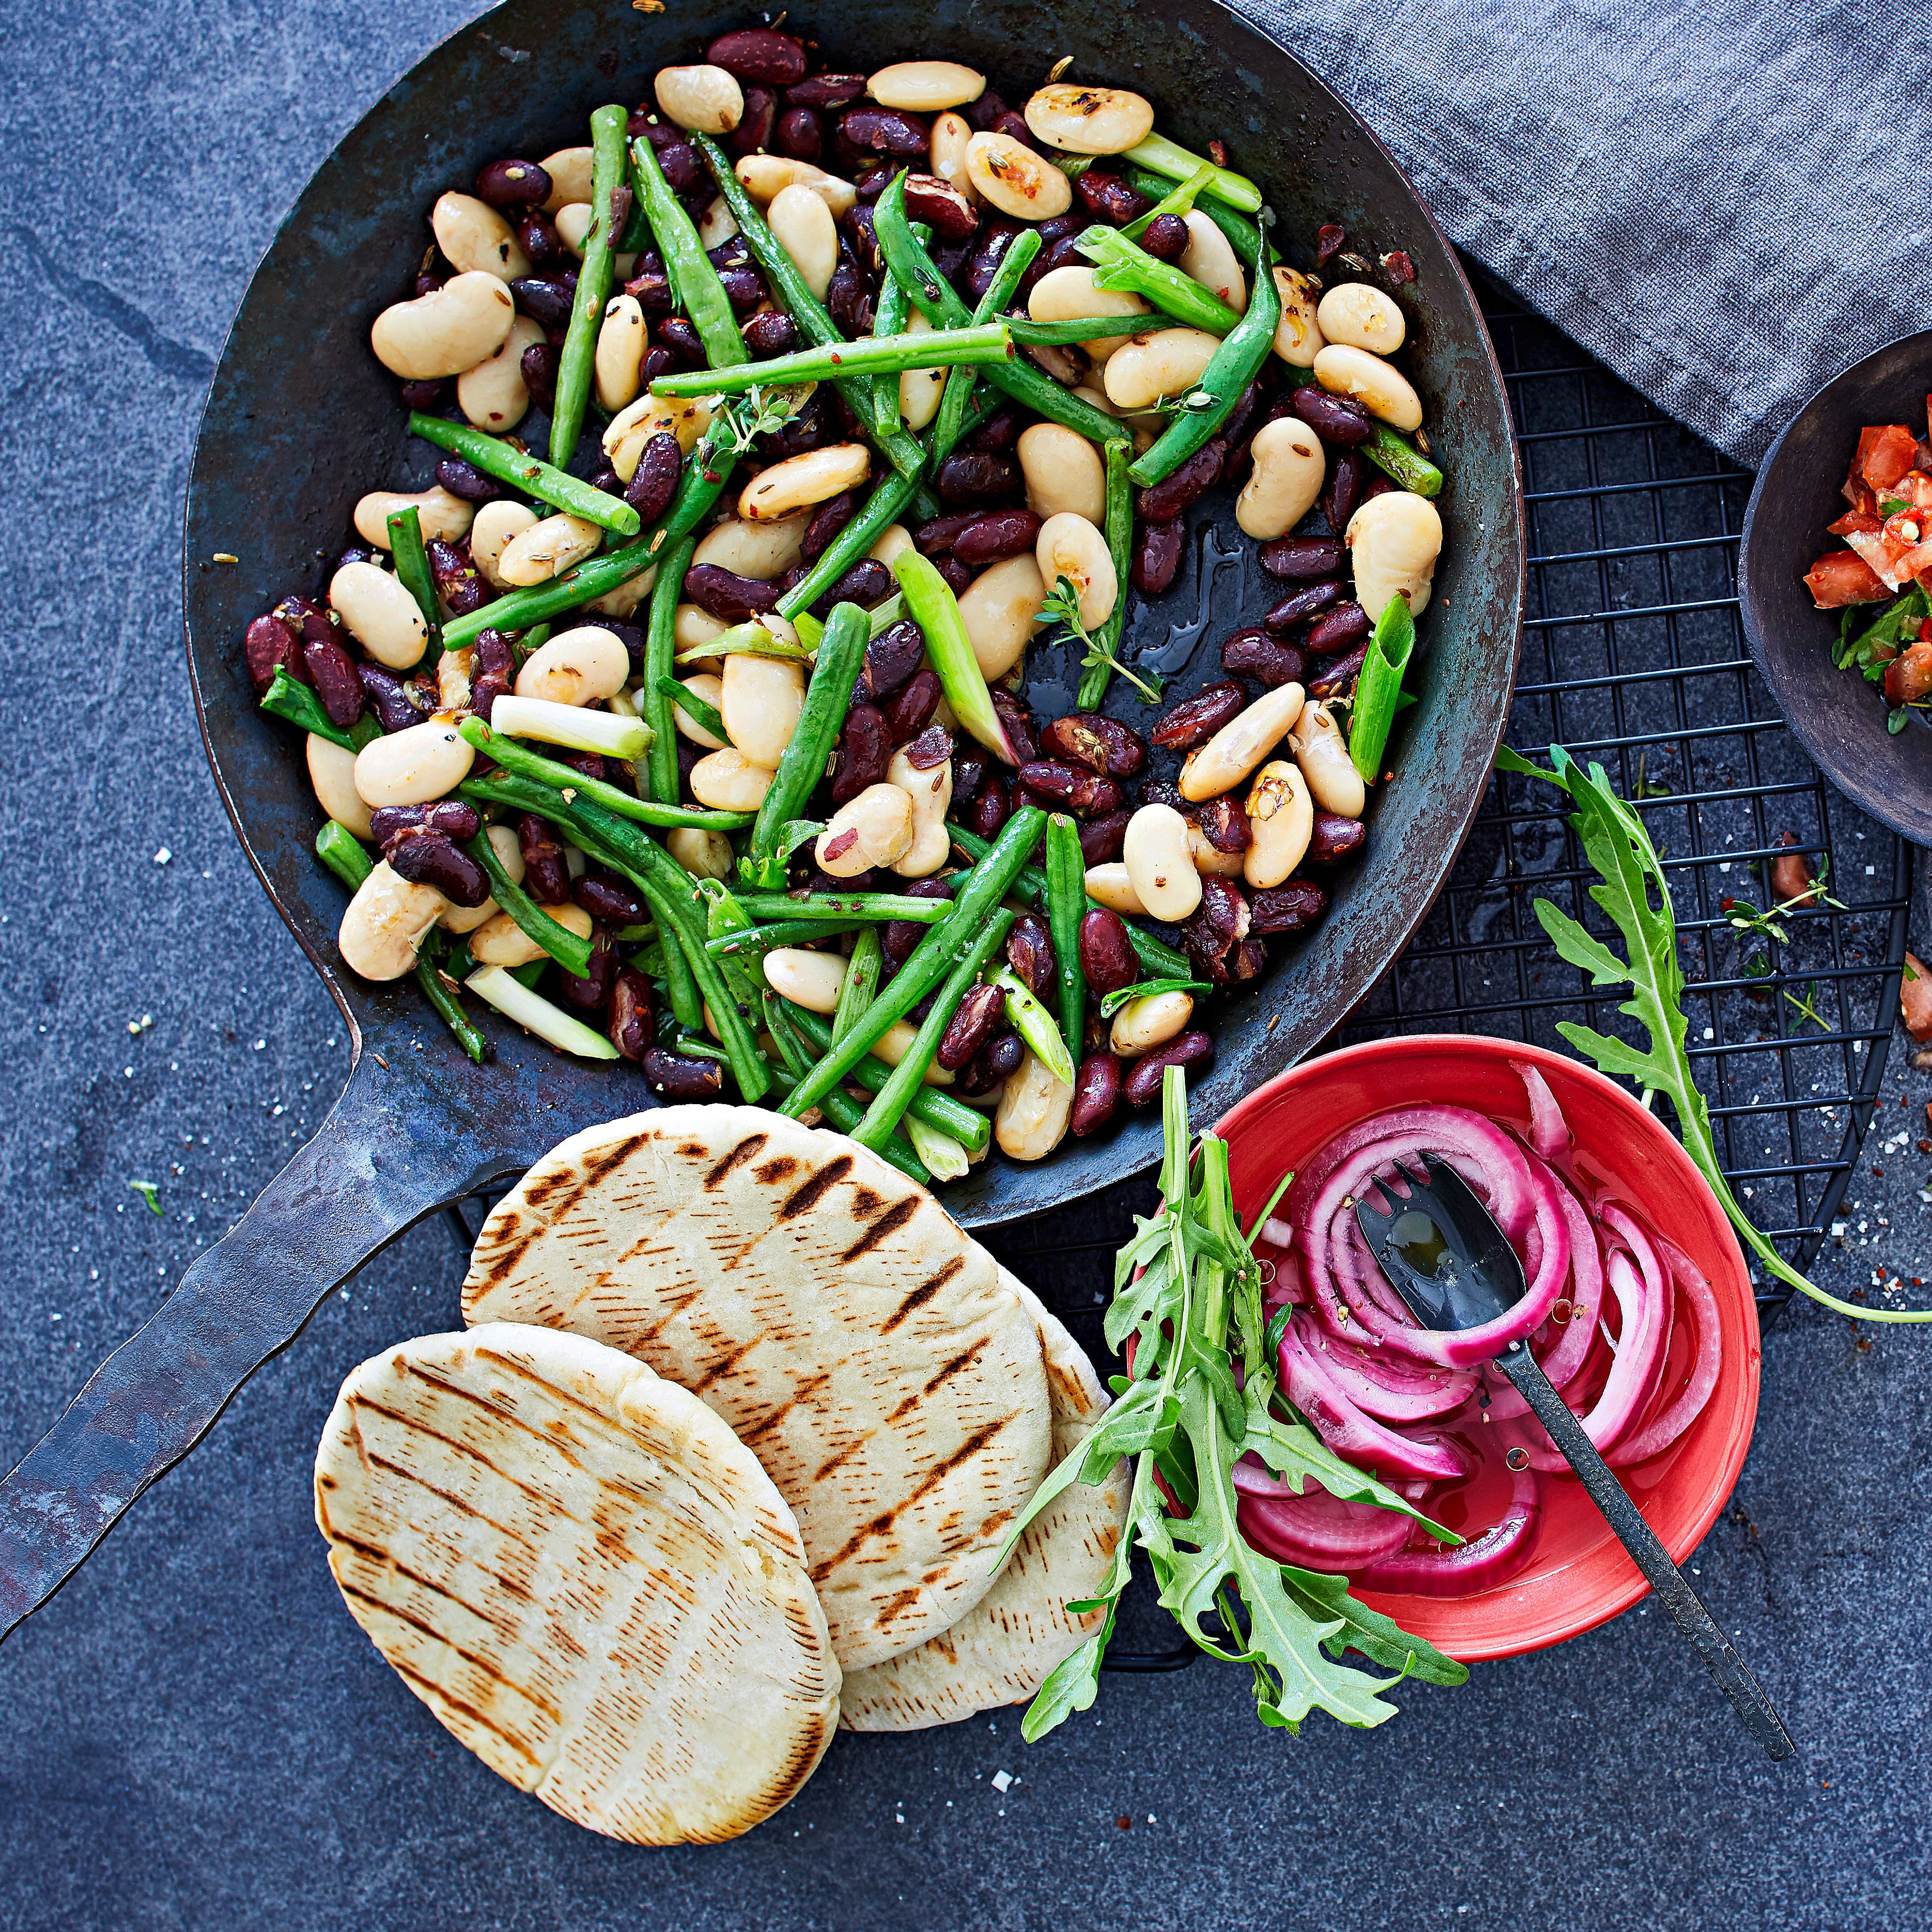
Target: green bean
[660, 771]
[1079, 328]
[706, 717]
[571, 952]
[680, 987]
[813, 319]
[412, 573]
[576, 359]
[495, 457]
[1233, 366]
[877, 355]
[1066, 871]
[881, 511]
[1121, 264]
[1030, 886]
[895, 1096]
[933, 1105]
[837, 1106]
[706, 472]
[526, 976]
[1094, 679]
[438, 989]
[761, 939]
[875, 908]
[944, 309]
[861, 982]
[526, 764]
[1160, 156]
[342, 852]
[889, 319]
[290, 699]
[692, 277]
[842, 656]
[949, 425]
[986, 885]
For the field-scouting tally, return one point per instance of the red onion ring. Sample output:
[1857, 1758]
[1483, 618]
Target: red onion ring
[1392, 1391]
[1549, 1132]
[1316, 1530]
[1701, 1304]
[1314, 1390]
[1480, 1564]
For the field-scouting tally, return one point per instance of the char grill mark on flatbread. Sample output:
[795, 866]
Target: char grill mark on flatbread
[810, 1296]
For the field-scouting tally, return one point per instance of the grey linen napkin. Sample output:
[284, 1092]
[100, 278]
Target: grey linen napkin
[1723, 200]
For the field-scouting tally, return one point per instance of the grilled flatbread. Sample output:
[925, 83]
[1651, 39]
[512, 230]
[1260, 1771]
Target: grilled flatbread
[859, 1344]
[1000, 1651]
[584, 1575]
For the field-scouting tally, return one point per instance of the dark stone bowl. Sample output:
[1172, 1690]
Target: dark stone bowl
[1839, 717]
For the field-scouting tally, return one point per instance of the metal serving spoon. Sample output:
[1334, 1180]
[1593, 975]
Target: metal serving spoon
[1445, 1256]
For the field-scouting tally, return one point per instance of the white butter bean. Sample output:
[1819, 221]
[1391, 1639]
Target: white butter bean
[630, 429]
[1063, 472]
[1240, 744]
[799, 482]
[1394, 542]
[493, 394]
[475, 238]
[896, 1043]
[573, 225]
[1001, 610]
[1151, 1021]
[951, 134]
[385, 921]
[449, 330]
[1210, 260]
[380, 615]
[919, 87]
[1069, 294]
[548, 549]
[1322, 753]
[1034, 1109]
[1210, 860]
[728, 781]
[874, 828]
[496, 524]
[620, 349]
[1089, 120]
[1381, 387]
[1111, 887]
[919, 389]
[892, 542]
[1146, 368]
[1161, 873]
[583, 666]
[931, 792]
[1069, 546]
[1283, 815]
[803, 227]
[501, 941]
[1289, 467]
[510, 855]
[710, 687]
[571, 171]
[808, 979]
[763, 551]
[331, 771]
[412, 767]
[1016, 181]
[439, 514]
[690, 627]
[1363, 316]
[765, 176]
[704, 97]
[704, 855]
[1297, 336]
[717, 224]
[761, 699]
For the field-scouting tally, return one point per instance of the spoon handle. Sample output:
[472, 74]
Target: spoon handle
[1635, 1533]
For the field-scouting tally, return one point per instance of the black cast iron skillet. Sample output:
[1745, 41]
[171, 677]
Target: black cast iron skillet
[301, 421]
[1839, 717]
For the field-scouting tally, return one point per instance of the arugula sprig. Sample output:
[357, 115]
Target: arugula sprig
[1632, 890]
[1062, 607]
[1188, 1288]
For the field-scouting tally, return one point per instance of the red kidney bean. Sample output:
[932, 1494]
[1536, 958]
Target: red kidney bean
[995, 237]
[1253, 653]
[1335, 838]
[953, 574]
[1157, 548]
[770, 333]
[1342, 489]
[425, 395]
[1064, 254]
[609, 895]
[269, 646]
[677, 1078]
[1164, 238]
[827, 520]
[1291, 907]
[427, 281]
[969, 774]
[332, 671]
[426, 858]
[356, 554]
[897, 937]
[866, 582]
[849, 299]
[1142, 1085]
[826, 90]
[537, 366]
[800, 135]
[930, 749]
[762, 54]
[511, 183]
[977, 1079]
[632, 1029]
[1005, 533]
[1303, 559]
[999, 432]
[590, 763]
[590, 993]
[1103, 840]
[454, 817]
[909, 710]
[546, 876]
[608, 480]
[987, 112]
[891, 658]
[812, 428]
[867, 881]
[492, 671]
[1300, 605]
[887, 130]
[1101, 744]
[679, 160]
[726, 596]
[754, 131]
[465, 480]
[1161, 791]
[1108, 198]
[970, 1027]
[744, 286]
[940, 205]
[649, 287]
[1224, 824]
[977, 476]
[1096, 1093]
[458, 582]
[660, 467]
[1377, 485]
[1345, 625]
[546, 298]
[1213, 932]
[1004, 1052]
[1335, 419]
[1164, 502]
[1107, 956]
[1015, 127]
[1336, 678]
[935, 539]
[989, 808]
[1018, 722]
[1029, 953]
[874, 181]
[537, 236]
[865, 750]
[1196, 719]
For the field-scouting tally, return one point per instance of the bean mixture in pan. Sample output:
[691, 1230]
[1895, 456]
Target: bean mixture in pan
[693, 732]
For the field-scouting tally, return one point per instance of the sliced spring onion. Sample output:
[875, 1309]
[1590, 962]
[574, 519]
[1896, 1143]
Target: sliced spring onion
[1034, 1024]
[944, 1155]
[515, 1001]
[1167, 157]
[570, 725]
[936, 611]
[1377, 688]
[1178, 202]
[758, 638]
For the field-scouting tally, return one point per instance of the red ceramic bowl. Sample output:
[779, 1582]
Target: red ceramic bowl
[1578, 1576]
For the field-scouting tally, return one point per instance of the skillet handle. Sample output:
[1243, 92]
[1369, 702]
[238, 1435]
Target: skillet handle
[348, 1192]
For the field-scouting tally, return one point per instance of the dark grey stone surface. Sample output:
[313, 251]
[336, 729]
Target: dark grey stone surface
[195, 1734]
